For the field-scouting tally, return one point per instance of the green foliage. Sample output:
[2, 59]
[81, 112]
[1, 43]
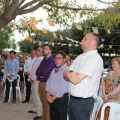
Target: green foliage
[72, 56]
[22, 53]
[5, 34]
[4, 41]
[62, 12]
[27, 46]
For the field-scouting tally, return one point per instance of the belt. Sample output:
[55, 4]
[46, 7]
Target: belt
[42, 81]
[79, 97]
[61, 97]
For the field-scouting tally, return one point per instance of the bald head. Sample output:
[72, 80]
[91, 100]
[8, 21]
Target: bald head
[90, 42]
[95, 38]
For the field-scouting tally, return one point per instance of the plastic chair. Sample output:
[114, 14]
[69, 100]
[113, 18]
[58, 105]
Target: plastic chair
[114, 111]
[17, 88]
[98, 103]
[24, 83]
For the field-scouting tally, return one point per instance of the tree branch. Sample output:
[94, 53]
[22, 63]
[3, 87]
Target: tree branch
[31, 9]
[7, 3]
[21, 3]
[107, 2]
[72, 8]
[28, 4]
[10, 11]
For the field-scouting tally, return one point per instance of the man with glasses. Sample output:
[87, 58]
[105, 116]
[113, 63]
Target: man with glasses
[57, 89]
[37, 106]
[43, 73]
[27, 71]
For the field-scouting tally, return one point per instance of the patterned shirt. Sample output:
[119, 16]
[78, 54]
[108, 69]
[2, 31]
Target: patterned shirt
[90, 64]
[112, 82]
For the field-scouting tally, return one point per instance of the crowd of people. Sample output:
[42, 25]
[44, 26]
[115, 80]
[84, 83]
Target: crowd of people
[61, 87]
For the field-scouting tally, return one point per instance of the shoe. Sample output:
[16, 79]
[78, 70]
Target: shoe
[5, 101]
[31, 111]
[37, 118]
[25, 101]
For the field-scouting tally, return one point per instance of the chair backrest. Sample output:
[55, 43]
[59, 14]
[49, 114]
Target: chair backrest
[24, 77]
[18, 80]
[98, 103]
[114, 113]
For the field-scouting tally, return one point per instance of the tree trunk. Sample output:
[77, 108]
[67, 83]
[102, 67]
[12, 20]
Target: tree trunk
[3, 21]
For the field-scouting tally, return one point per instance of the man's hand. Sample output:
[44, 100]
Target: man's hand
[27, 73]
[106, 98]
[31, 81]
[10, 77]
[50, 99]
[74, 77]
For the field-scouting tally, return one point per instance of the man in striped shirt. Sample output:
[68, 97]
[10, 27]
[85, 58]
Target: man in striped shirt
[84, 76]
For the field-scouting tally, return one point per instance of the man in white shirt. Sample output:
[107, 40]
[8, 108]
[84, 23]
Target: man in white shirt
[27, 71]
[84, 76]
[37, 106]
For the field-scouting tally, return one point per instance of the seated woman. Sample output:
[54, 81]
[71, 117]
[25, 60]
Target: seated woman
[111, 85]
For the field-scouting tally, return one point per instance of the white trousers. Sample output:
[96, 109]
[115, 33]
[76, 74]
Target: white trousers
[37, 106]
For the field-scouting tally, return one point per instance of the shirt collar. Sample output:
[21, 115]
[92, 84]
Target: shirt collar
[48, 58]
[63, 66]
[11, 59]
[90, 52]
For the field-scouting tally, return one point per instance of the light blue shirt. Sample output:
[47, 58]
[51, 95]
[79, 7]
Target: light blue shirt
[28, 64]
[12, 67]
[56, 84]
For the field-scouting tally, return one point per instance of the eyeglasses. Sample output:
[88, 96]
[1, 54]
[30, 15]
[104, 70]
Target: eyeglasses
[58, 58]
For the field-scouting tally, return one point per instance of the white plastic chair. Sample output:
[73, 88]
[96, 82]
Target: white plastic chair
[17, 88]
[24, 83]
[98, 103]
[24, 86]
[114, 111]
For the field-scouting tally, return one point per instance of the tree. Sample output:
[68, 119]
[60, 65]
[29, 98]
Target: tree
[4, 38]
[58, 10]
[27, 46]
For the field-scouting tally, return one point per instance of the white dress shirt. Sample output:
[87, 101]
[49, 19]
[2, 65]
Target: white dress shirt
[90, 64]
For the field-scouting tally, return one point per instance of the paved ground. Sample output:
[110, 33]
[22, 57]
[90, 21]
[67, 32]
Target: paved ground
[18, 111]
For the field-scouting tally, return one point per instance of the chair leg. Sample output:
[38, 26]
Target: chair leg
[102, 112]
[4, 90]
[19, 94]
[10, 94]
